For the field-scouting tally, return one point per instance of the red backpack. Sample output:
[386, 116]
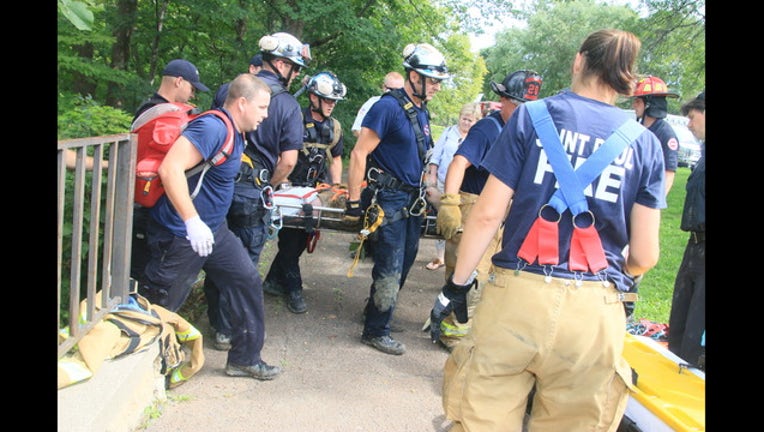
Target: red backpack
[158, 127]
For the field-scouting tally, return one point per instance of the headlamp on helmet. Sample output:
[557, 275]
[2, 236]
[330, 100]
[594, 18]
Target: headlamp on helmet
[523, 85]
[426, 60]
[326, 85]
[286, 46]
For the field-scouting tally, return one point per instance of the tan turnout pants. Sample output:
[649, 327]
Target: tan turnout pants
[452, 330]
[566, 339]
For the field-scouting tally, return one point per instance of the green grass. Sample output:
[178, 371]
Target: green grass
[657, 286]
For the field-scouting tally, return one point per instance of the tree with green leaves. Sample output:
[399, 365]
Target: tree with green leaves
[673, 49]
[110, 52]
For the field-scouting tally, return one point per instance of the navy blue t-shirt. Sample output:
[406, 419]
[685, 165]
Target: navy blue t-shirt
[669, 143]
[397, 153]
[282, 129]
[635, 176]
[474, 147]
[207, 133]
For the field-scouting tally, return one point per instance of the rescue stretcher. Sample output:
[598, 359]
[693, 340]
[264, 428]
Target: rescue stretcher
[305, 208]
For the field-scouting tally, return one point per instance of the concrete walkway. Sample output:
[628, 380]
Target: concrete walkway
[331, 381]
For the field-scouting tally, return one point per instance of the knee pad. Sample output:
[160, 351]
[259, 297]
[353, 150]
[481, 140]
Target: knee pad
[386, 293]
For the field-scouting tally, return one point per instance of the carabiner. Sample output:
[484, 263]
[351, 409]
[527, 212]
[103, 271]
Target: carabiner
[420, 204]
[266, 196]
[376, 172]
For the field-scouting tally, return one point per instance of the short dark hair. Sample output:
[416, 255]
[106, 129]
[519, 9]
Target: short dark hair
[698, 104]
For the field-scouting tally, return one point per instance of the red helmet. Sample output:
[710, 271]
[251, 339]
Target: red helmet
[653, 86]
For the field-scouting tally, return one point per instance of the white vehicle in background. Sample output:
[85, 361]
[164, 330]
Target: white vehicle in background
[689, 146]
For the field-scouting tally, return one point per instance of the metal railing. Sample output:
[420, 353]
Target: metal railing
[97, 225]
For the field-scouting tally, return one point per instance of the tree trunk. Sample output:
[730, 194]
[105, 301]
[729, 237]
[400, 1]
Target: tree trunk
[120, 51]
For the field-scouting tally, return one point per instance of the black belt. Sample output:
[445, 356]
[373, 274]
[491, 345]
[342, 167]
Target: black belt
[384, 180]
[697, 236]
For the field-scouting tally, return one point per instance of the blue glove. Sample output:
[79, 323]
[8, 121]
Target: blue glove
[452, 298]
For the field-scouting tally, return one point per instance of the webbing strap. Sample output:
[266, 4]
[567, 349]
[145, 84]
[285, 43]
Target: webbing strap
[408, 107]
[586, 252]
[572, 183]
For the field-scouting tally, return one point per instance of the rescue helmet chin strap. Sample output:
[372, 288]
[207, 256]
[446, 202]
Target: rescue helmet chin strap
[284, 80]
[641, 119]
[423, 94]
[318, 109]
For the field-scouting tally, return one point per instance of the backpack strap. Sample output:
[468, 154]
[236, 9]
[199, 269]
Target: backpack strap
[219, 157]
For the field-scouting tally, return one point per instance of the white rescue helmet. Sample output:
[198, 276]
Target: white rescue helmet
[286, 46]
[326, 85]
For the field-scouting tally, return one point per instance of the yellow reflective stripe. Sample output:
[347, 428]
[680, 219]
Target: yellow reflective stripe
[191, 334]
[453, 331]
[176, 376]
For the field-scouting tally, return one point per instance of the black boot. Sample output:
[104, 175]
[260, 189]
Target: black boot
[295, 302]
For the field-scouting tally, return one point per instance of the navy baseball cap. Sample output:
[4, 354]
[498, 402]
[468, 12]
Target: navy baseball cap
[257, 60]
[187, 70]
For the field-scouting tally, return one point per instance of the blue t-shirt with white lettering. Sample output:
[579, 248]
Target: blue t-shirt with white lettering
[207, 133]
[635, 176]
[397, 153]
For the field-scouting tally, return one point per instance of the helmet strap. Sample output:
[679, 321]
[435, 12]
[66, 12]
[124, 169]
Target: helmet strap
[318, 109]
[423, 95]
[284, 80]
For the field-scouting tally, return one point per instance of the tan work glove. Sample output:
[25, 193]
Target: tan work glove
[449, 215]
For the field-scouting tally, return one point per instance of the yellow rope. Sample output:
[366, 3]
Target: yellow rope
[368, 228]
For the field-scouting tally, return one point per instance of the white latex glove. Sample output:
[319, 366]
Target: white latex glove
[200, 236]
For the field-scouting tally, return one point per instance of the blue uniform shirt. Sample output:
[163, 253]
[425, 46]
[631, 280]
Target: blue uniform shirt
[397, 153]
[207, 133]
[474, 147]
[635, 176]
[282, 129]
[669, 143]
